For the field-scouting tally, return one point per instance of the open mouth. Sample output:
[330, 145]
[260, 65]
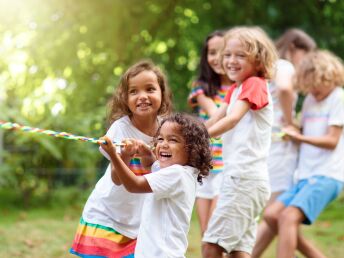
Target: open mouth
[143, 105]
[165, 155]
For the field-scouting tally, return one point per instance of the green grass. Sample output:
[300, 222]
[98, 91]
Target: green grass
[48, 231]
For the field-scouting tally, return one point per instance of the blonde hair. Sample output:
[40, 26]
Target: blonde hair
[259, 47]
[118, 104]
[319, 68]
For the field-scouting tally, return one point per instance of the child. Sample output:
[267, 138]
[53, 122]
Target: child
[182, 149]
[292, 46]
[244, 121]
[207, 93]
[321, 164]
[111, 217]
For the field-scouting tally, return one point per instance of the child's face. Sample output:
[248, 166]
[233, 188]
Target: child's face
[144, 94]
[236, 63]
[296, 55]
[170, 148]
[320, 93]
[215, 46]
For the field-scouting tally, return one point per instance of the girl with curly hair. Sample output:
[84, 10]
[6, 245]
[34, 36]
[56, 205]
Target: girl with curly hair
[181, 147]
[111, 217]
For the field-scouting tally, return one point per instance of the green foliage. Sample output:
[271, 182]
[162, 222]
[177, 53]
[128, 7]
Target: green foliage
[60, 61]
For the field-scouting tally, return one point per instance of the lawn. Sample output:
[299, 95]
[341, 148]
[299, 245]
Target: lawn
[48, 231]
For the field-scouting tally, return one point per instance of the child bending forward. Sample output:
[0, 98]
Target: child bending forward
[184, 157]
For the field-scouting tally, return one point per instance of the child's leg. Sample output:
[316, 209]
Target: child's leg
[239, 254]
[313, 195]
[210, 250]
[203, 207]
[307, 248]
[271, 215]
[288, 228]
[232, 226]
[264, 235]
[206, 199]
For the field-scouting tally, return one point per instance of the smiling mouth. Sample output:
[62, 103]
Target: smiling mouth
[143, 105]
[165, 155]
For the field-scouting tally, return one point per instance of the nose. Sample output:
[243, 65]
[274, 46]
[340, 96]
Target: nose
[142, 95]
[232, 59]
[163, 144]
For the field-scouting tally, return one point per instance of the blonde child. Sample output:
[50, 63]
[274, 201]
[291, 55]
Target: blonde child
[111, 217]
[321, 164]
[292, 46]
[183, 153]
[206, 95]
[244, 121]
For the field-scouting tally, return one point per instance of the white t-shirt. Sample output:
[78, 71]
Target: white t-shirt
[246, 146]
[317, 116]
[283, 68]
[282, 159]
[167, 212]
[111, 205]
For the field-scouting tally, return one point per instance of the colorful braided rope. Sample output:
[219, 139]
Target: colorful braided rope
[68, 136]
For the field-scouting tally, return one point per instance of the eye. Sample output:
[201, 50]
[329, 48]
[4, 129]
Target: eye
[151, 89]
[132, 91]
[160, 139]
[173, 140]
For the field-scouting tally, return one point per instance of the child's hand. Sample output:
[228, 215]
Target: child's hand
[129, 147]
[143, 149]
[292, 133]
[108, 146]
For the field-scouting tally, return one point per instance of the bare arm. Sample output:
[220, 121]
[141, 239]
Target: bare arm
[286, 98]
[219, 114]
[133, 183]
[207, 104]
[228, 122]
[327, 141]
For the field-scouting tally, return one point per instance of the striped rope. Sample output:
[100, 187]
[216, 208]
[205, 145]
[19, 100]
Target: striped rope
[64, 135]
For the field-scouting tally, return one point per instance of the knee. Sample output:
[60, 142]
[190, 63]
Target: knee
[210, 250]
[271, 216]
[290, 216]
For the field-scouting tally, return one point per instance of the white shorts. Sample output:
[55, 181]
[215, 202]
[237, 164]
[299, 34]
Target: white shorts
[233, 224]
[210, 187]
[282, 163]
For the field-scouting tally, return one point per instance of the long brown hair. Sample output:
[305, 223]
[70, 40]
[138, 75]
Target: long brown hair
[118, 104]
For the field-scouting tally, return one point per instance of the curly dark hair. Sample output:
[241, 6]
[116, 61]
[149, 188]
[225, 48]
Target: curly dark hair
[197, 142]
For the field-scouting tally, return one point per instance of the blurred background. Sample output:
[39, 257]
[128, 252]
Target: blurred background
[60, 61]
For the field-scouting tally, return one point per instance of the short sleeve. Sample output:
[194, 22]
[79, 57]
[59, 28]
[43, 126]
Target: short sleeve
[169, 182]
[336, 116]
[255, 92]
[196, 90]
[229, 93]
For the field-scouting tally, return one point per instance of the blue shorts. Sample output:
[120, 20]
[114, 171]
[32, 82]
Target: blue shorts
[312, 195]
